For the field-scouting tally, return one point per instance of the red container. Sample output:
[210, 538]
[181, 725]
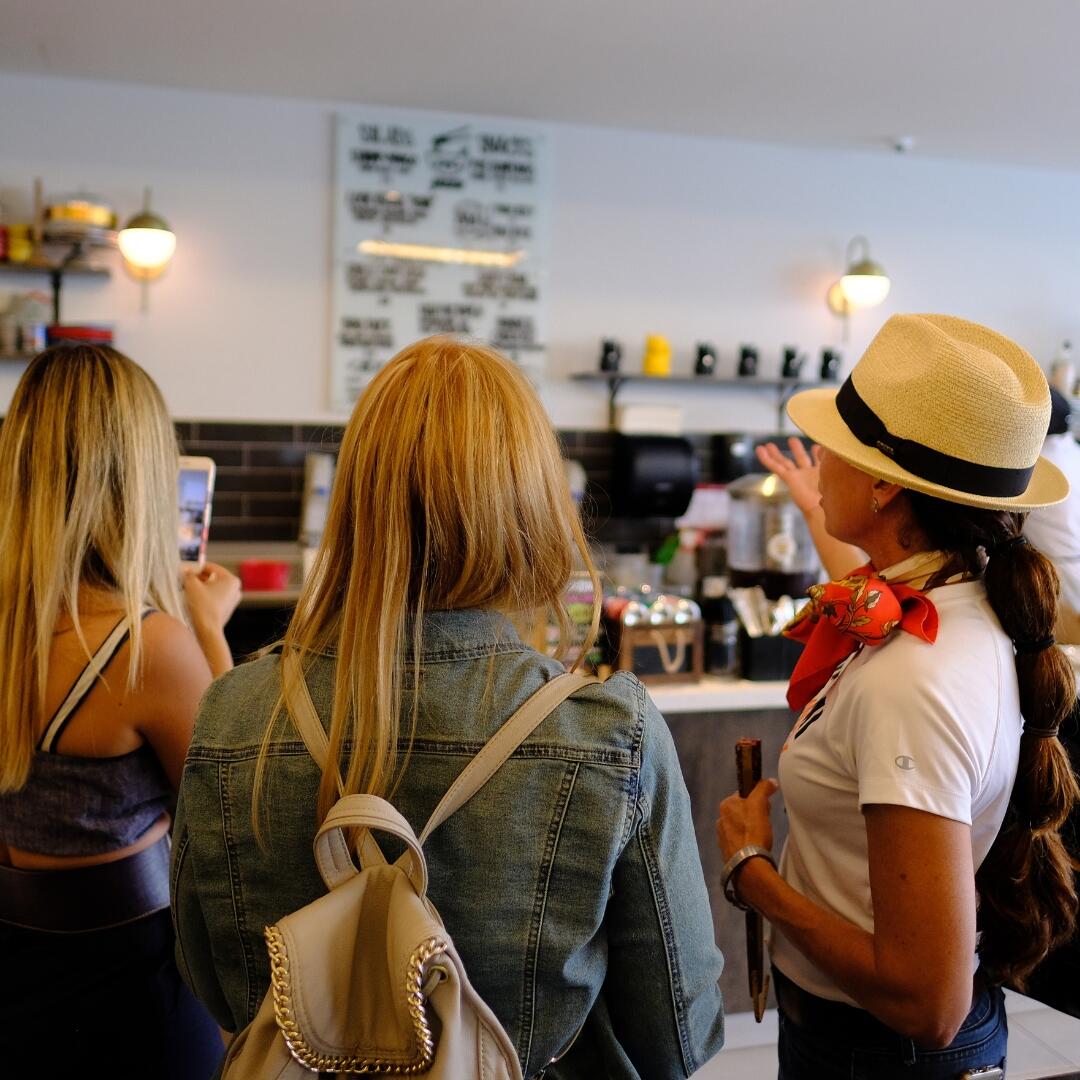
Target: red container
[264, 575]
[91, 335]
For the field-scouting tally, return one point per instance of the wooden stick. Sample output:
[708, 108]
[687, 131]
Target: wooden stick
[748, 770]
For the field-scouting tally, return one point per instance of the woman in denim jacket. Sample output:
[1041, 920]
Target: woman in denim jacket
[571, 884]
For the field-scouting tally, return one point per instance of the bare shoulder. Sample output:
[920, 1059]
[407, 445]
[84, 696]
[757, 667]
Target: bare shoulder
[172, 658]
[165, 633]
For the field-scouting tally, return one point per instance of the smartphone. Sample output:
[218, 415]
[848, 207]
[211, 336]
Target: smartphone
[195, 493]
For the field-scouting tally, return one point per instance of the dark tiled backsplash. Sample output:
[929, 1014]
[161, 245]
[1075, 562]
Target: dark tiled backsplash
[260, 475]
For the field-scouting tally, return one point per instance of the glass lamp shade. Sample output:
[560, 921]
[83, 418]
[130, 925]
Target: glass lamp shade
[865, 284]
[147, 244]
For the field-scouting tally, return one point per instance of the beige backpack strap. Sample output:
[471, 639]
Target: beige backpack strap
[503, 743]
[367, 812]
[306, 721]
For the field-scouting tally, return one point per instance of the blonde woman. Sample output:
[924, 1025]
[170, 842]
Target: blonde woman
[571, 884]
[101, 678]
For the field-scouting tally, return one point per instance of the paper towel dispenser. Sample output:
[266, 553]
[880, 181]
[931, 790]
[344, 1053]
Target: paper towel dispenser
[652, 475]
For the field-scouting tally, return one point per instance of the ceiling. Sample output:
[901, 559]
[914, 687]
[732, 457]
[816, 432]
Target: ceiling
[987, 80]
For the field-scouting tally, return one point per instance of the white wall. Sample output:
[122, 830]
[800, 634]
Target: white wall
[692, 238]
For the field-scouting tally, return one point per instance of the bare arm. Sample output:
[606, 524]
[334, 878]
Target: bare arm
[914, 971]
[800, 473]
[212, 595]
[175, 675]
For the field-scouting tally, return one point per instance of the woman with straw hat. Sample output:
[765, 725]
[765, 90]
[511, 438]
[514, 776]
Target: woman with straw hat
[924, 781]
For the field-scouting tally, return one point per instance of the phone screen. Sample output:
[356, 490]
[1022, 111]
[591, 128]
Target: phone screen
[196, 489]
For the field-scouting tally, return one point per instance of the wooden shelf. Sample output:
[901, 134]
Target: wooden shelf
[74, 271]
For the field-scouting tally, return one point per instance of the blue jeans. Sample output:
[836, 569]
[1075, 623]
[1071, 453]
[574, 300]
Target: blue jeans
[837, 1042]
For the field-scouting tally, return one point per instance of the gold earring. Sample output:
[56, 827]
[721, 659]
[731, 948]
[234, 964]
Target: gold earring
[874, 505]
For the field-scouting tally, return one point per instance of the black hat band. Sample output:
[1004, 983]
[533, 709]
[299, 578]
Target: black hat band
[926, 463]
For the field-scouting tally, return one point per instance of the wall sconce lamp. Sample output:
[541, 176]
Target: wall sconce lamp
[865, 284]
[147, 244]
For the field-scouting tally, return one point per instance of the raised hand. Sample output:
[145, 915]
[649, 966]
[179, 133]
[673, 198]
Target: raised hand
[799, 471]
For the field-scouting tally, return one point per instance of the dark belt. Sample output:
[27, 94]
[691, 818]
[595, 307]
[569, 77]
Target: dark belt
[87, 897]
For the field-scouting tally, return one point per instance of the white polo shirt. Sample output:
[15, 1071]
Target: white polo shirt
[932, 726]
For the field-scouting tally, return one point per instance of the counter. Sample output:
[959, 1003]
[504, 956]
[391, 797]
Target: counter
[711, 694]
[705, 743]
[231, 555]
[715, 694]
[705, 719]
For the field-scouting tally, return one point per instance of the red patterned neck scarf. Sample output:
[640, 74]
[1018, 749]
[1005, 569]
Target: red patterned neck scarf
[859, 609]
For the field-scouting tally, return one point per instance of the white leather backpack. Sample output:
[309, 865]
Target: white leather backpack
[366, 979]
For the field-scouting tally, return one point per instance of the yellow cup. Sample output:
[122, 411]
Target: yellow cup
[20, 246]
[657, 359]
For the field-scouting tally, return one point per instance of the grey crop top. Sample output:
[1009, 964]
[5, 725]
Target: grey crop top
[85, 805]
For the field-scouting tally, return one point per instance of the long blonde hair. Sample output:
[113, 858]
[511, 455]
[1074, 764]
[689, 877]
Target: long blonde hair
[88, 461]
[449, 494]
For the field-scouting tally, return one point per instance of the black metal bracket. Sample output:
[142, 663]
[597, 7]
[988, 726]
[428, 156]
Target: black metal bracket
[616, 380]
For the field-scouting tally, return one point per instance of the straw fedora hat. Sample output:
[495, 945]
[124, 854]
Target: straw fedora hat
[943, 406]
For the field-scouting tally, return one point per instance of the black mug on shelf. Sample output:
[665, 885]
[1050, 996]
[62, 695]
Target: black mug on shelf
[610, 355]
[705, 362]
[792, 362]
[748, 361]
[830, 364]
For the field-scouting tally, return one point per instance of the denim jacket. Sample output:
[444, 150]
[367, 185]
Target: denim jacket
[571, 883]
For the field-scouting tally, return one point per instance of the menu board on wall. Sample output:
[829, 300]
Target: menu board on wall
[440, 226]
